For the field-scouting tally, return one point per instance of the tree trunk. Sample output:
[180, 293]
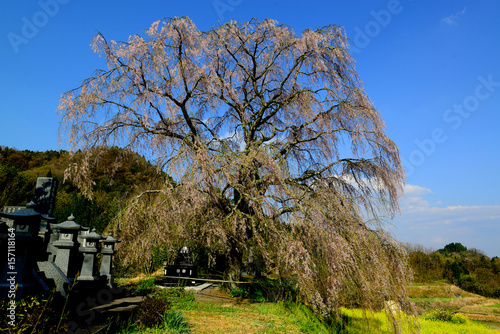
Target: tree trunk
[233, 267]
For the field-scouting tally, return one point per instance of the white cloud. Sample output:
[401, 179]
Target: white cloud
[452, 19]
[438, 240]
[413, 190]
[429, 223]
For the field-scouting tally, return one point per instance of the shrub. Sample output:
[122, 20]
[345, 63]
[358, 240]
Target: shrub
[439, 315]
[446, 315]
[150, 312]
[459, 318]
[240, 292]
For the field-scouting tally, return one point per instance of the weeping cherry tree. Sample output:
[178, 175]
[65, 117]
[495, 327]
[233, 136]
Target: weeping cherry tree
[271, 147]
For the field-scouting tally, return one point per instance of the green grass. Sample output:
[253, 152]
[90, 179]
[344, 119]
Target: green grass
[360, 322]
[280, 317]
[357, 321]
[296, 314]
[494, 306]
[222, 314]
[442, 327]
[432, 299]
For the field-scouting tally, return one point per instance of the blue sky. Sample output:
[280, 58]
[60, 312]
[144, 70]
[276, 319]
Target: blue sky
[432, 68]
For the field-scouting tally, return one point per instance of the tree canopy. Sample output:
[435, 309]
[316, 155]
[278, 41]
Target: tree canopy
[272, 146]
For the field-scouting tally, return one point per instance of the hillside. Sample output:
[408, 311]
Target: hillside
[117, 176]
[470, 269]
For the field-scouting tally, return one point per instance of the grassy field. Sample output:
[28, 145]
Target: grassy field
[214, 311]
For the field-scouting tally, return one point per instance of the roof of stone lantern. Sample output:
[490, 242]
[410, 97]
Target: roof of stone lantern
[29, 212]
[91, 235]
[67, 225]
[110, 239]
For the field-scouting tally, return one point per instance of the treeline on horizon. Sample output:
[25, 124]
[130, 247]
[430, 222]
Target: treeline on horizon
[469, 269]
[116, 179]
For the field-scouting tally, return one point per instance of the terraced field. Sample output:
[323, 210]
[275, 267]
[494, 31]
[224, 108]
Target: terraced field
[441, 295]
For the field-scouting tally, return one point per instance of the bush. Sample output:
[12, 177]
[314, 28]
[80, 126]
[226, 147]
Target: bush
[446, 315]
[239, 293]
[150, 312]
[439, 315]
[459, 318]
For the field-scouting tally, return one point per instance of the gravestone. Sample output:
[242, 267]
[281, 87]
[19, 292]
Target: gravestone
[183, 267]
[45, 194]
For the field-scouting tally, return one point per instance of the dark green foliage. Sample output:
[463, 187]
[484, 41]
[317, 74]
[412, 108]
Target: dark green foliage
[161, 254]
[469, 283]
[457, 268]
[16, 188]
[454, 247]
[115, 179]
[470, 269]
[439, 314]
[265, 289]
[95, 213]
[238, 293]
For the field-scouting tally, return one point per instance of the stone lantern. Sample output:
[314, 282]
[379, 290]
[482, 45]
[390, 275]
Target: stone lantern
[107, 251]
[90, 249]
[22, 242]
[26, 222]
[67, 246]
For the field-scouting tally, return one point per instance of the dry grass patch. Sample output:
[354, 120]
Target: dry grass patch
[480, 309]
[213, 311]
[457, 303]
[242, 320]
[438, 290]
